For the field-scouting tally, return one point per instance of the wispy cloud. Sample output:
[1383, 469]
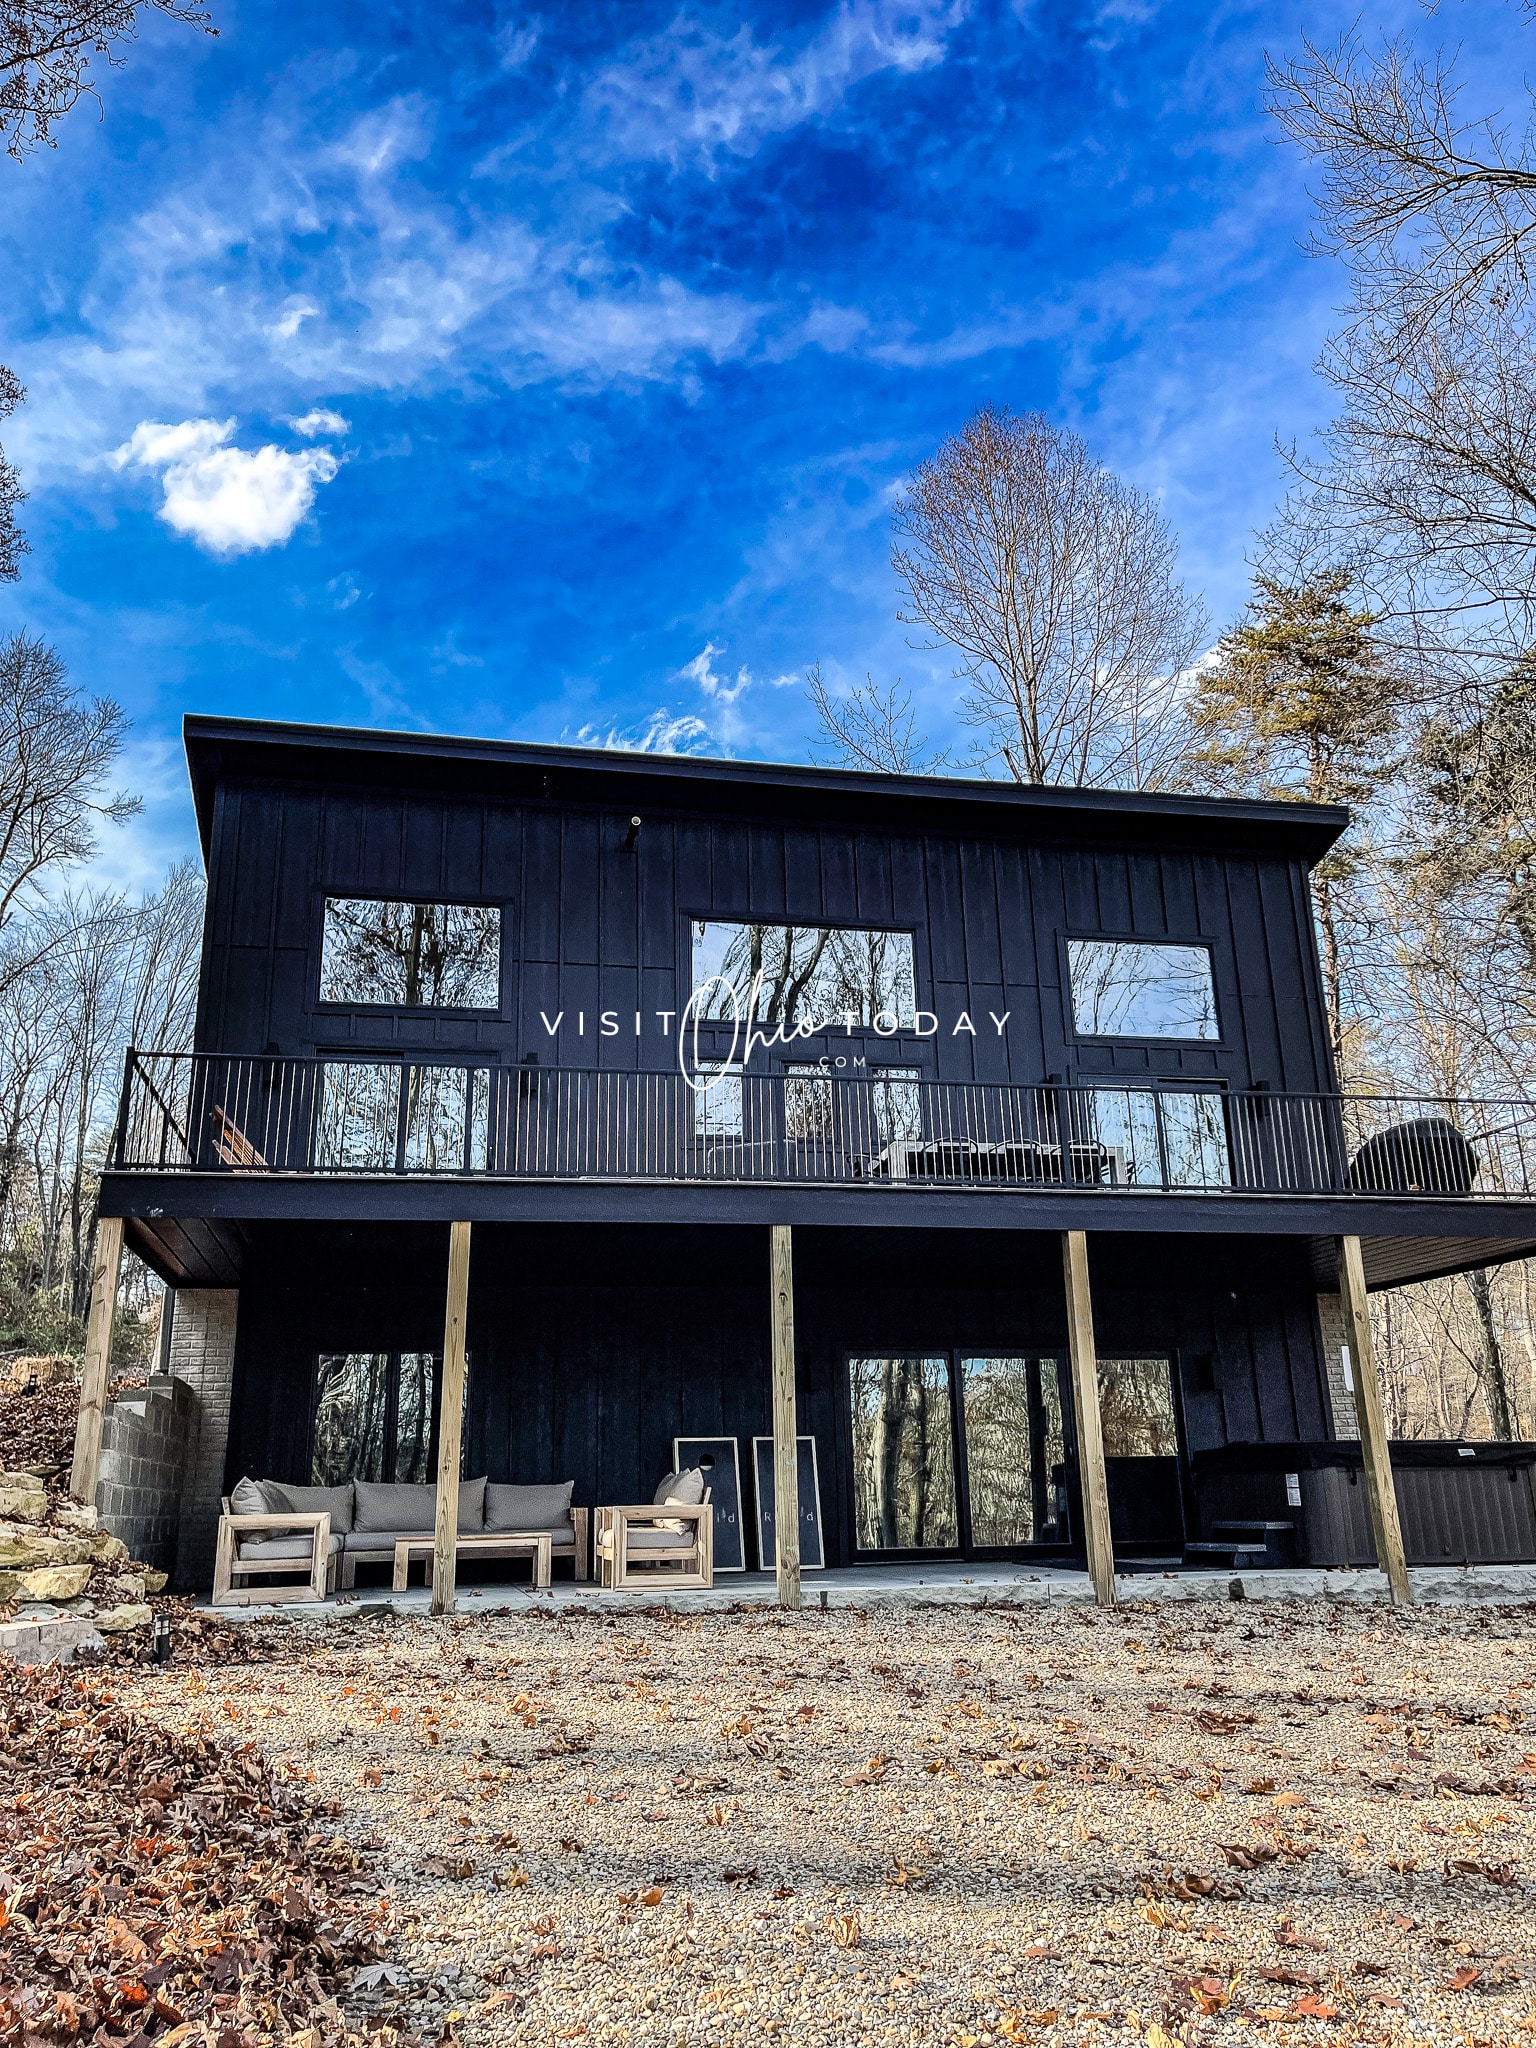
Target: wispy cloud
[692, 93]
[231, 501]
[664, 732]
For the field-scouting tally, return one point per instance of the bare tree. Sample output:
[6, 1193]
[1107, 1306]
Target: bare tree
[1055, 582]
[1426, 481]
[56, 751]
[12, 544]
[872, 727]
[1413, 195]
[46, 50]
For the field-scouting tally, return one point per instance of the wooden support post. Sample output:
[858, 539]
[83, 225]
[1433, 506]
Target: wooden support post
[1090, 1429]
[1380, 1490]
[98, 1359]
[450, 1423]
[786, 1441]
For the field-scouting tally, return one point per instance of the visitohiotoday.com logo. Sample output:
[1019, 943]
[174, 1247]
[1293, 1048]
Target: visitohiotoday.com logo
[708, 1060]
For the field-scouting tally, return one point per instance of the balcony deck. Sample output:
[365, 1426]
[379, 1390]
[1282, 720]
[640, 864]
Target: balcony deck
[1437, 1184]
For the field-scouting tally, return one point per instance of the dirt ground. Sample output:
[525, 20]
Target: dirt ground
[1300, 1824]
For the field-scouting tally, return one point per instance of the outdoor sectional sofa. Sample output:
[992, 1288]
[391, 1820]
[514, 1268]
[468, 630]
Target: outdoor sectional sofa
[274, 1528]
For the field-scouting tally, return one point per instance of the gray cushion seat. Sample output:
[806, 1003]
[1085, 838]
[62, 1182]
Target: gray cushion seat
[369, 1517]
[646, 1536]
[281, 1549]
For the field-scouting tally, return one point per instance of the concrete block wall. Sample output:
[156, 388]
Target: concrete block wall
[202, 1358]
[143, 1456]
[1341, 1400]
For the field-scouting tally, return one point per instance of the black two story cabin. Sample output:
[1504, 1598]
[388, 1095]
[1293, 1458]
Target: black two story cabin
[622, 1013]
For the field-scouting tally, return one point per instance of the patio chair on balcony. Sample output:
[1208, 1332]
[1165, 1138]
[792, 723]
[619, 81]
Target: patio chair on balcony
[231, 1144]
[668, 1542]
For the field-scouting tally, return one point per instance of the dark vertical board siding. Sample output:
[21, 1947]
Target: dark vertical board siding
[979, 900]
[466, 833]
[728, 888]
[839, 886]
[875, 902]
[541, 885]
[620, 881]
[293, 907]
[987, 919]
[423, 868]
[765, 876]
[946, 910]
[803, 896]
[579, 888]
[659, 898]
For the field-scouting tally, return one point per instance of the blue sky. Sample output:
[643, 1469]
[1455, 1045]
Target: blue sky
[467, 369]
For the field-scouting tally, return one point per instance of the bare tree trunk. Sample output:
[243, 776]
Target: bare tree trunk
[1490, 1366]
[1333, 994]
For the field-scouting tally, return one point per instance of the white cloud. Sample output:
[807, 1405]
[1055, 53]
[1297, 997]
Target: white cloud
[229, 500]
[664, 732]
[726, 691]
[691, 90]
[320, 421]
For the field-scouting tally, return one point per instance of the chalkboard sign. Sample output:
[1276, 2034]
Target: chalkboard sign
[717, 1458]
[812, 1556]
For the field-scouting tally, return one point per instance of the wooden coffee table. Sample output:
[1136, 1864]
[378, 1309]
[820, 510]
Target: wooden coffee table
[473, 1546]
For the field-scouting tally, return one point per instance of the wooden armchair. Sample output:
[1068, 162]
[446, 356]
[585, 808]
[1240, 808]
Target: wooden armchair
[307, 1550]
[634, 1547]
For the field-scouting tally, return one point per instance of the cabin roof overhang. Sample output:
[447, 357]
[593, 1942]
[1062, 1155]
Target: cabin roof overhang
[265, 751]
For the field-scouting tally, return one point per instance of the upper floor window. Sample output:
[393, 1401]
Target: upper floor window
[431, 956]
[818, 975]
[1136, 988]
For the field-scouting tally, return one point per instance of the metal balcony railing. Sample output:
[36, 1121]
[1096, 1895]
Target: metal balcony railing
[216, 1113]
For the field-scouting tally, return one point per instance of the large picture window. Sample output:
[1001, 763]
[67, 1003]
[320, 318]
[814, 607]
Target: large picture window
[373, 1416]
[427, 956]
[816, 975]
[1137, 988]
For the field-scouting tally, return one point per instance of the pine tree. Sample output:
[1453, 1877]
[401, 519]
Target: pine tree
[1301, 702]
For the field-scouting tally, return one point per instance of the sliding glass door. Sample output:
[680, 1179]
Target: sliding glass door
[975, 1455]
[903, 1454]
[1015, 1451]
[957, 1453]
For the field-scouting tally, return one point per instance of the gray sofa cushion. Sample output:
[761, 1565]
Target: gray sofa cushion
[256, 1497]
[648, 1536]
[254, 1549]
[530, 1507]
[412, 1510]
[336, 1501]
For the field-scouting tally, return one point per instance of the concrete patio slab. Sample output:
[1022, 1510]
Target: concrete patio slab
[896, 1587]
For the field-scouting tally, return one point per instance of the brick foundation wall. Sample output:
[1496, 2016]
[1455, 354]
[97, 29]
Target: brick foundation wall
[202, 1357]
[1341, 1400]
[143, 1455]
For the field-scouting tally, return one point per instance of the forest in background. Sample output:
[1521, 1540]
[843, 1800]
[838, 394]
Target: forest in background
[1386, 661]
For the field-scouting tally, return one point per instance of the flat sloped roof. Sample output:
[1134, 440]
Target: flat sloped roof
[266, 750]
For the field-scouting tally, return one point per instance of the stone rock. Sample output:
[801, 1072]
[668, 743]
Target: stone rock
[108, 1549]
[155, 1582]
[46, 1639]
[21, 1548]
[117, 1620]
[54, 1582]
[120, 1589]
[22, 1503]
[73, 1514]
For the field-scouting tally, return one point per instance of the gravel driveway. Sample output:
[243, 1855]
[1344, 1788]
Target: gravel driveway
[1306, 1824]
